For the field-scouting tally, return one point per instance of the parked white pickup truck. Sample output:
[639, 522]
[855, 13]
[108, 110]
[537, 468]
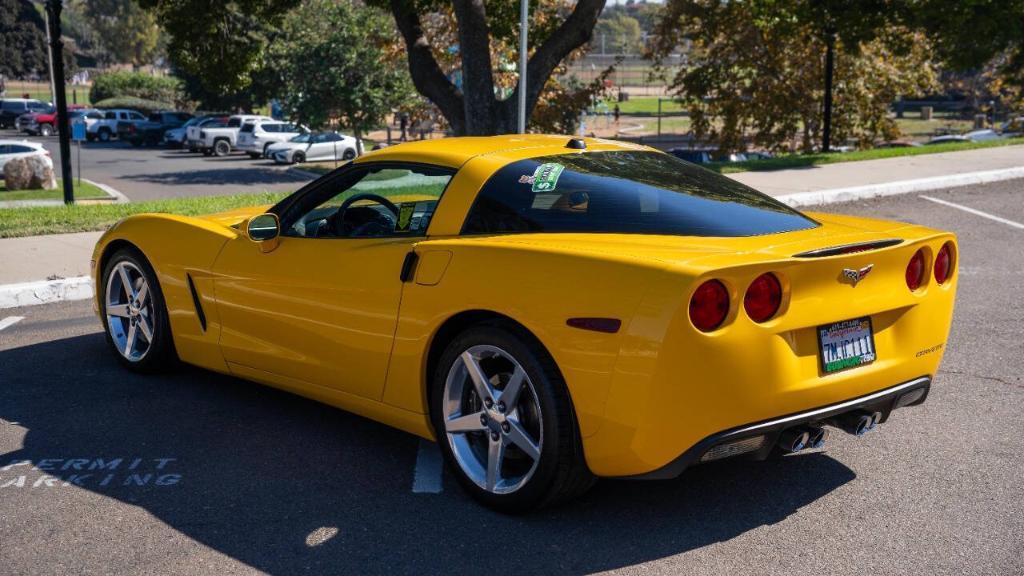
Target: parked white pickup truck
[105, 129]
[255, 137]
[220, 140]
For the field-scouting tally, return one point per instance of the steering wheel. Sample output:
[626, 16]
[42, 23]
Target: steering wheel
[337, 220]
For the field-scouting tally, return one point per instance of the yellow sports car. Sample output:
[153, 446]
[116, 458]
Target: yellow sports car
[549, 309]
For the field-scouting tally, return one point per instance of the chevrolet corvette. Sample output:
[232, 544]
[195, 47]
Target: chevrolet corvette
[549, 309]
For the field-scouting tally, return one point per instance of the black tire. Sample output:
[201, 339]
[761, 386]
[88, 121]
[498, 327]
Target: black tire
[90, 138]
[45, 130]
[561, 472]
[221, 148]
[136, 143]
[254, 155]
[265, 147]
[104, 135]
[207, 152]
[348, 154]
[298, 158]
[161, 355]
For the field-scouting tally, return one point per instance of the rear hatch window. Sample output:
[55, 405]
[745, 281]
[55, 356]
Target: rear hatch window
[624, 192]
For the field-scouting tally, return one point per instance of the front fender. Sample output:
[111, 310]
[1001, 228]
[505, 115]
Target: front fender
[181, 251]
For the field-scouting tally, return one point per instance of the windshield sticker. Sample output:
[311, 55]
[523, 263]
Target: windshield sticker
[405, 216]
[545, 177]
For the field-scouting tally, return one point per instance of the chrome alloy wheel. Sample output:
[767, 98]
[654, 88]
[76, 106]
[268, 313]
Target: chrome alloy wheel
[129, 311]
[492, 419]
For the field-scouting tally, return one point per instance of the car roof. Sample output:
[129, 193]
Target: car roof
[23, 143]
[454, 152]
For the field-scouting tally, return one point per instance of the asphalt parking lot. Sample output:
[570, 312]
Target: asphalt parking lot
[198, 473]
[148, 173]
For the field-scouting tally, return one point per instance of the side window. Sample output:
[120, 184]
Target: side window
[19, 149]
[5, 149]
[110, 116]
[371, 202]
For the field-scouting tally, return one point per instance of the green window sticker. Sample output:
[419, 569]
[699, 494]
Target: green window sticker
[405, 212]
[545, 177]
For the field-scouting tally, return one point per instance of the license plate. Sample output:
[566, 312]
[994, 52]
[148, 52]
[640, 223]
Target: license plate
[846, 344]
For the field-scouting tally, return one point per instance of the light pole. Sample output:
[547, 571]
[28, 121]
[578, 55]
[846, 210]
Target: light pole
[53, 8]
[524, 13]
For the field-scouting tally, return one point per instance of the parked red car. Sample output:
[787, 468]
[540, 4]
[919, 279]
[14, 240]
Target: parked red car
[41, 123]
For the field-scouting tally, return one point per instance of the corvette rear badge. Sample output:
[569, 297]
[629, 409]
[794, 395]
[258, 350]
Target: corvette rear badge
[855, 276]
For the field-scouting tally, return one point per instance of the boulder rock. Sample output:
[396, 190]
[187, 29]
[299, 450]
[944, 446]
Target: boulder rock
[17, 174]
[42, 173]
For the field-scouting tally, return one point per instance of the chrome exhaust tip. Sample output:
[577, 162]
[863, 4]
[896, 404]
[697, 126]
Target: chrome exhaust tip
[857, 423]
[793, 440]
[816, 437]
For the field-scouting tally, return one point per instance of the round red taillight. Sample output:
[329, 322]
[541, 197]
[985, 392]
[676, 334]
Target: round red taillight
[763, 297]
[709, 305]
[943, 263]
[915, 270]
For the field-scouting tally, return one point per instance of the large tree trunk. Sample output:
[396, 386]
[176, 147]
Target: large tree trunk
[475, 110]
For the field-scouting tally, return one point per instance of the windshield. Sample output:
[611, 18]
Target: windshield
[627, 192]
[302, 138]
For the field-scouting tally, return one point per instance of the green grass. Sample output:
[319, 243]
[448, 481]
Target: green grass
[805, 160]
[31, 221]
[83, 191]
[645, 105]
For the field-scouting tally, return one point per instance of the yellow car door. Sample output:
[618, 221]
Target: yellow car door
[319, 306]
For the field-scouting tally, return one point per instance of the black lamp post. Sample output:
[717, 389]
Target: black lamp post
[53, 8]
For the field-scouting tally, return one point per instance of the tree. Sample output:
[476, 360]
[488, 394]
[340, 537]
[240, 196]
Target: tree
[973, 34]
[23, 50]
[219, 48]
[335, 63]
[619, 34]
[758, 67]
[126, 32]
[471, 105]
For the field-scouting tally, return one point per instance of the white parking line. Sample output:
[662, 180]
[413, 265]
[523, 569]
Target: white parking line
[10, 321]
[975, 212]
[427, 477]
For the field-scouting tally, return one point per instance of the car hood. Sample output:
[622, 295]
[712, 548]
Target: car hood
[234, 217]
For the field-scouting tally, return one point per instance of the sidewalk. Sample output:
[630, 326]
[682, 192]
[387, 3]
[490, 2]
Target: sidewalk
[888, 170]
[39, 258]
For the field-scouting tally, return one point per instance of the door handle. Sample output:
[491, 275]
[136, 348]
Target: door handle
[408, 267]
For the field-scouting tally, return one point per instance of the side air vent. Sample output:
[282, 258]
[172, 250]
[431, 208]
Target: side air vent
[195, 301]
[848, 248]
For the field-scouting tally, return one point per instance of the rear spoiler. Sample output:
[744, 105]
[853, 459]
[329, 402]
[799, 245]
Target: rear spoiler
[848, 248]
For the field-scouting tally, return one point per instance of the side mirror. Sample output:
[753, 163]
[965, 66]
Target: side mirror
[265, 229]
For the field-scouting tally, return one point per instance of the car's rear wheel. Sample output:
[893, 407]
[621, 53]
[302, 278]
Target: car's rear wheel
[505, 422]
[104, 135]
[134, 313]
[348, 154]
[254, 155]
[221, 148]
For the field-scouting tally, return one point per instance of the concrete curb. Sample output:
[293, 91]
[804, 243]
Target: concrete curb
[115, 196]
[835, 195]
[45, 292]
[111, 191]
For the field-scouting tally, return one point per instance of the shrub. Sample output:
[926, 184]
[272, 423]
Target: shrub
[136, 85]
[132, 103]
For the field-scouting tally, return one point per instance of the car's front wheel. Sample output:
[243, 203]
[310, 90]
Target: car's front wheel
[505, 421]
[298, 158]
[45, 130]
[134, 314]
[104, 135]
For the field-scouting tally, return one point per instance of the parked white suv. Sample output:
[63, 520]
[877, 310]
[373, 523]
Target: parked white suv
[105, 129]
[255, 137]
[220, 140]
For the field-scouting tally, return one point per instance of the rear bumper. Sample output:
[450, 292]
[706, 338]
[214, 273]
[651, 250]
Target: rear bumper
[910, 393]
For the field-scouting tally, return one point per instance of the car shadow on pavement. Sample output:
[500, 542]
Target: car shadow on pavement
[285, 485]
[255, 176]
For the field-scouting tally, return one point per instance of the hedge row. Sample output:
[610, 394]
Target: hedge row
[136, 85]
